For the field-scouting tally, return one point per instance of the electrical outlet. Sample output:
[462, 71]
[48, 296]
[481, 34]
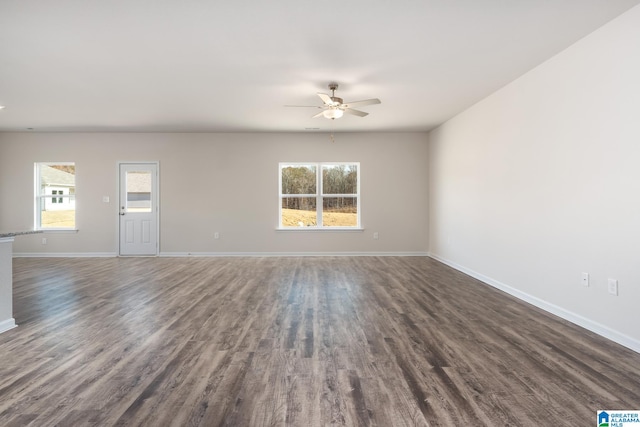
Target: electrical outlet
[585, 279]
[613, 286]
[44, 240]
[375, 235]
[216, 235]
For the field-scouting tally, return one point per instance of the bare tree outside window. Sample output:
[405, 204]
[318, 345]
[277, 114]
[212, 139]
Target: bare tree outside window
[319, 195]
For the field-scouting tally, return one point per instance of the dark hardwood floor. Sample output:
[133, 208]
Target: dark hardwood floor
[358, 341]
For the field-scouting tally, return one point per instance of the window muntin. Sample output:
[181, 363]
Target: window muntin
[55, 200]
[319, 195]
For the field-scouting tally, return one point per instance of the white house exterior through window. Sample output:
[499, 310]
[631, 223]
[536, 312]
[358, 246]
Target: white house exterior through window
[55, 196]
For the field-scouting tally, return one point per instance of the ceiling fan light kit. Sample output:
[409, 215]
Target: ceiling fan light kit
[334, 107]
[333, 113]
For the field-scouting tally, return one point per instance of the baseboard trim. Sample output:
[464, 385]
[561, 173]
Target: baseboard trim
[64, 254]
[5, 325]
[574, 318]
[290, 254]
[215, 254]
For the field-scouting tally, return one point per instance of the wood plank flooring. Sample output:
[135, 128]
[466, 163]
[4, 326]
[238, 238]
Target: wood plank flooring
[363, 341]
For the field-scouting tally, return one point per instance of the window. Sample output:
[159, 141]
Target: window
[138, 191]
[55, 204]
[57, 199]
[319, 195]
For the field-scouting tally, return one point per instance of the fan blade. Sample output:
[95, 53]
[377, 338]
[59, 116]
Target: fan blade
[305, 106]
[326, 98]
[355, 112]
[361, 103]
[317, 115]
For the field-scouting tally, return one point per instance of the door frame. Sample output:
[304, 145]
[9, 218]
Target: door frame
[118, 196]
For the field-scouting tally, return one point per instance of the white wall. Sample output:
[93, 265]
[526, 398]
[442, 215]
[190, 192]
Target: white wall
[541, 182]
[219, 182]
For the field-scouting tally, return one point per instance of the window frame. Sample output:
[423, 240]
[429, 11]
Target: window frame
[56, 197]
[320, 196]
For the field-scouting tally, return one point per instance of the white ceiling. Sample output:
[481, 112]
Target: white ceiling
[198, 65]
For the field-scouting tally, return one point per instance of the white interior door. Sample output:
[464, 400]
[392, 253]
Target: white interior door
[138, 209]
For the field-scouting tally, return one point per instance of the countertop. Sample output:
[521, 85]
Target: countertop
[17, 233]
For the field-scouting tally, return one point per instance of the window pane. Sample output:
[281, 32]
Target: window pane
[339, 212]
[339, 179]
[299, 212]
[299, 179]
[57, 212]
[139, 191]
[57, 207]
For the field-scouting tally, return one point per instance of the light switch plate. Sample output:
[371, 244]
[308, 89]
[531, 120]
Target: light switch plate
[585, 279]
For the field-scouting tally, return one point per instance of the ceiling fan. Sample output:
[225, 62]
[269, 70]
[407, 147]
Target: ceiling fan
[334, 107]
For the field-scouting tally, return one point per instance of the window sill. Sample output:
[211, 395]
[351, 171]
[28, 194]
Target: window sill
[320, 229]
[57, 230]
